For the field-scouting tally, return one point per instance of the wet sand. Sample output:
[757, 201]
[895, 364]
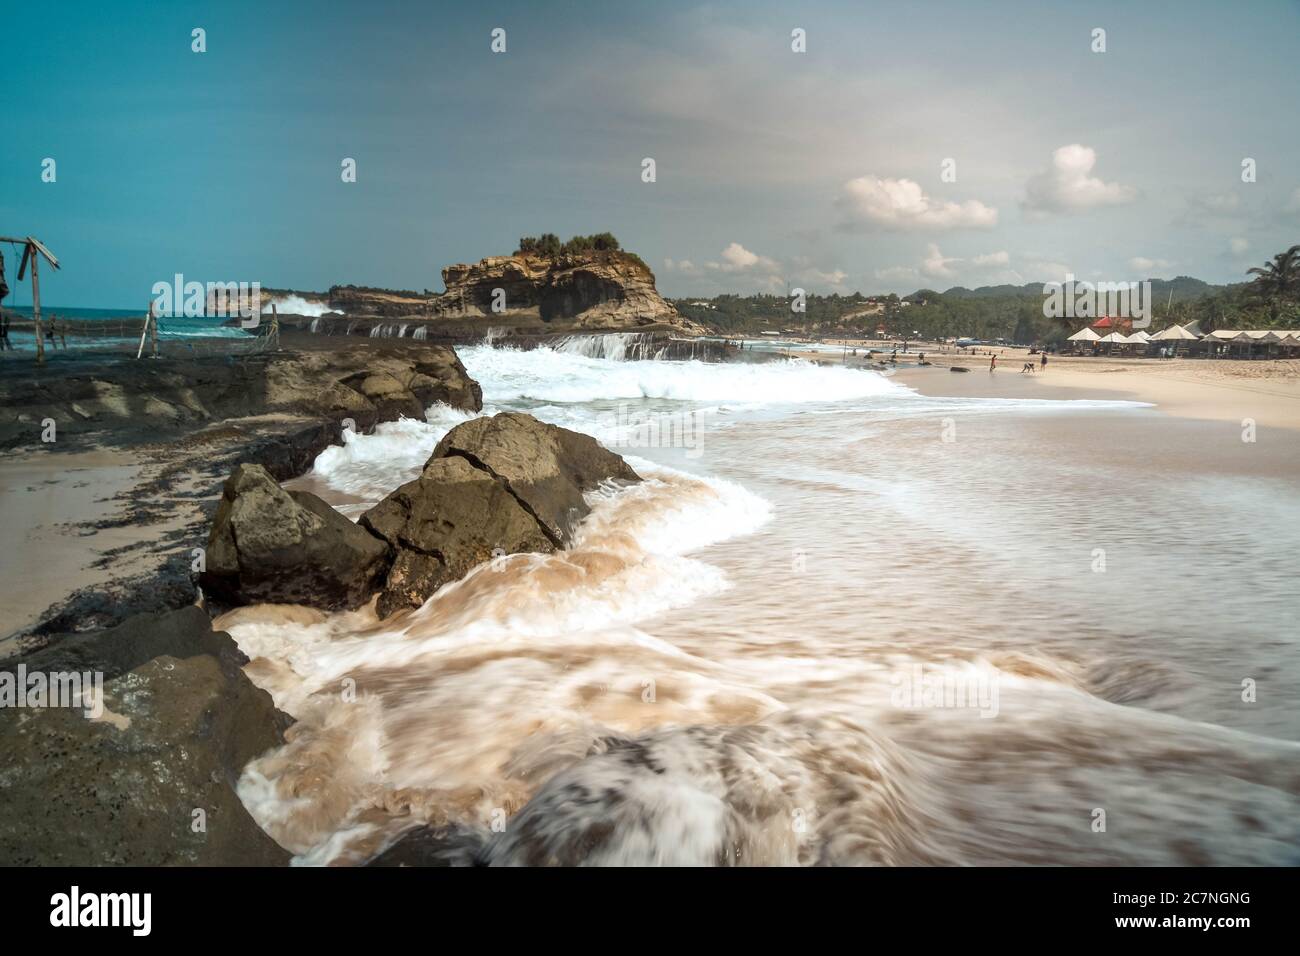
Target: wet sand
[47, 551]
[1266, 391]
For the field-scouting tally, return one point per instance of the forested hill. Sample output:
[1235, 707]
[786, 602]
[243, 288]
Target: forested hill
[1013, 312]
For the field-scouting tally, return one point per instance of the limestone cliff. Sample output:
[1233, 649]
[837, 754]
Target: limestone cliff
[597, 291]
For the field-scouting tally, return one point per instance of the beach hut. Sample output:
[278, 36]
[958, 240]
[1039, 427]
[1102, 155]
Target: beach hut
[1141, 342]
[1112, 340]
[1084, 338]
[1221, 341]
[1175, 337]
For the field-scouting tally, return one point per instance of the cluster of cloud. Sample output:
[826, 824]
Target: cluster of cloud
[1067, 185]
[991, 267]
[899, 204]
[761, 272]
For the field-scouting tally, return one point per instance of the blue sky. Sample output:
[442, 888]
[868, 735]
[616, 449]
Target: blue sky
[820, 169]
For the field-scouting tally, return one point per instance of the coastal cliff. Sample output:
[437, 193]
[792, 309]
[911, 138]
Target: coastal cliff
[607, 291]
[533, 292]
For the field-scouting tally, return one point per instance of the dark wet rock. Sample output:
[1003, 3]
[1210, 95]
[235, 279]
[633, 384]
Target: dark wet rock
[450, 519]
[434, 846]
[180, 722]
[127, 402]
[545, 467]
[268, 544]
[508, 484]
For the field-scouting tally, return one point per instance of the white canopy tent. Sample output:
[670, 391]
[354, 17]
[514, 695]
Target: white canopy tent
[1175, 333]
[1084, 335]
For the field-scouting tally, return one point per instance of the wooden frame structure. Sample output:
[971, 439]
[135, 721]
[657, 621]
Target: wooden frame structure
[33, 249]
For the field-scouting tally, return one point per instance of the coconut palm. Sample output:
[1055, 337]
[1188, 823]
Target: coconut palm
[1277, 280]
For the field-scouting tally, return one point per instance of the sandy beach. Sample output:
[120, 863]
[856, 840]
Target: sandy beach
[1227, 390]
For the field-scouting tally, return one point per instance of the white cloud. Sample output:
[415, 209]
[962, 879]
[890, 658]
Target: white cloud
[988, 268]
[936, 265]
[1238, 246]
[685, 266]
[902, 204]
[1143, 264]
[739, 266]
[736, 258]
[1068, 186]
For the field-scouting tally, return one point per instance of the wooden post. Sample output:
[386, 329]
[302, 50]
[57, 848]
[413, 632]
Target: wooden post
[63, 333]
[144, 331]
[152, 322]
[36, 308]
[275, 327]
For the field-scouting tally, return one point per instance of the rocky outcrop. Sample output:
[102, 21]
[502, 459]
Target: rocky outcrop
[507, 484]
[268, 544]
[359, 300]
[451, 518]
[546, 468]
[149, 780]
[596, 291]
[366, 382]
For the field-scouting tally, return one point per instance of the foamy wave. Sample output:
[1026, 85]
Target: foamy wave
[553, 376]
[524, 661]
[371, 466]
[297, 305]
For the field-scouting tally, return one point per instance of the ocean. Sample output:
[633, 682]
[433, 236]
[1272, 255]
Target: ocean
[840, 622]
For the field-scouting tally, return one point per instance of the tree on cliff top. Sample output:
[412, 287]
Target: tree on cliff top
[548, 244]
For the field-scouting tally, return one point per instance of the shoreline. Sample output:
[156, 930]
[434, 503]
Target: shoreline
[104, 521]
[1222, 390]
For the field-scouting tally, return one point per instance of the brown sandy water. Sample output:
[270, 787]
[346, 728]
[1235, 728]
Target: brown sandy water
[850, 625]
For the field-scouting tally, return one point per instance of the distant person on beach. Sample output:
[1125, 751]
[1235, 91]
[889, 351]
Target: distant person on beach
[1044, 362]
[993, 363]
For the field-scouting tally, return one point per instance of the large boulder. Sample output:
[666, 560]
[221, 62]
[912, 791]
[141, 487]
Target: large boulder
[503, 485]
[451, 518]
[150, 779]
[268, 544]
[546, 468]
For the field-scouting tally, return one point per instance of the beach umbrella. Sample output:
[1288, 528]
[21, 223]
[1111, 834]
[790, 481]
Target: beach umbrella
[1084, 335]
[1139, 337]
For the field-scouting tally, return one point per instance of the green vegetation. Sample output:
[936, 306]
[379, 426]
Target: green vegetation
[1014, 313]
[548, 244]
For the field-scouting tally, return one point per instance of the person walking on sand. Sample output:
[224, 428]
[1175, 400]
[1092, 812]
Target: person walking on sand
[1043, 363]
[993, 362]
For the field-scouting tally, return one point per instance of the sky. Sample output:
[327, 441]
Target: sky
[909, 145]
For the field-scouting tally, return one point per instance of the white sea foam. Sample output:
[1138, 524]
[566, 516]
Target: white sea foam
[699, 736]
[561, 376]
[297, 305]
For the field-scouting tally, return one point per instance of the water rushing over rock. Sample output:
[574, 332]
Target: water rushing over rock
[830, 637]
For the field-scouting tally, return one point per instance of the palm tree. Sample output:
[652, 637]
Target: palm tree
[1278, 280]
